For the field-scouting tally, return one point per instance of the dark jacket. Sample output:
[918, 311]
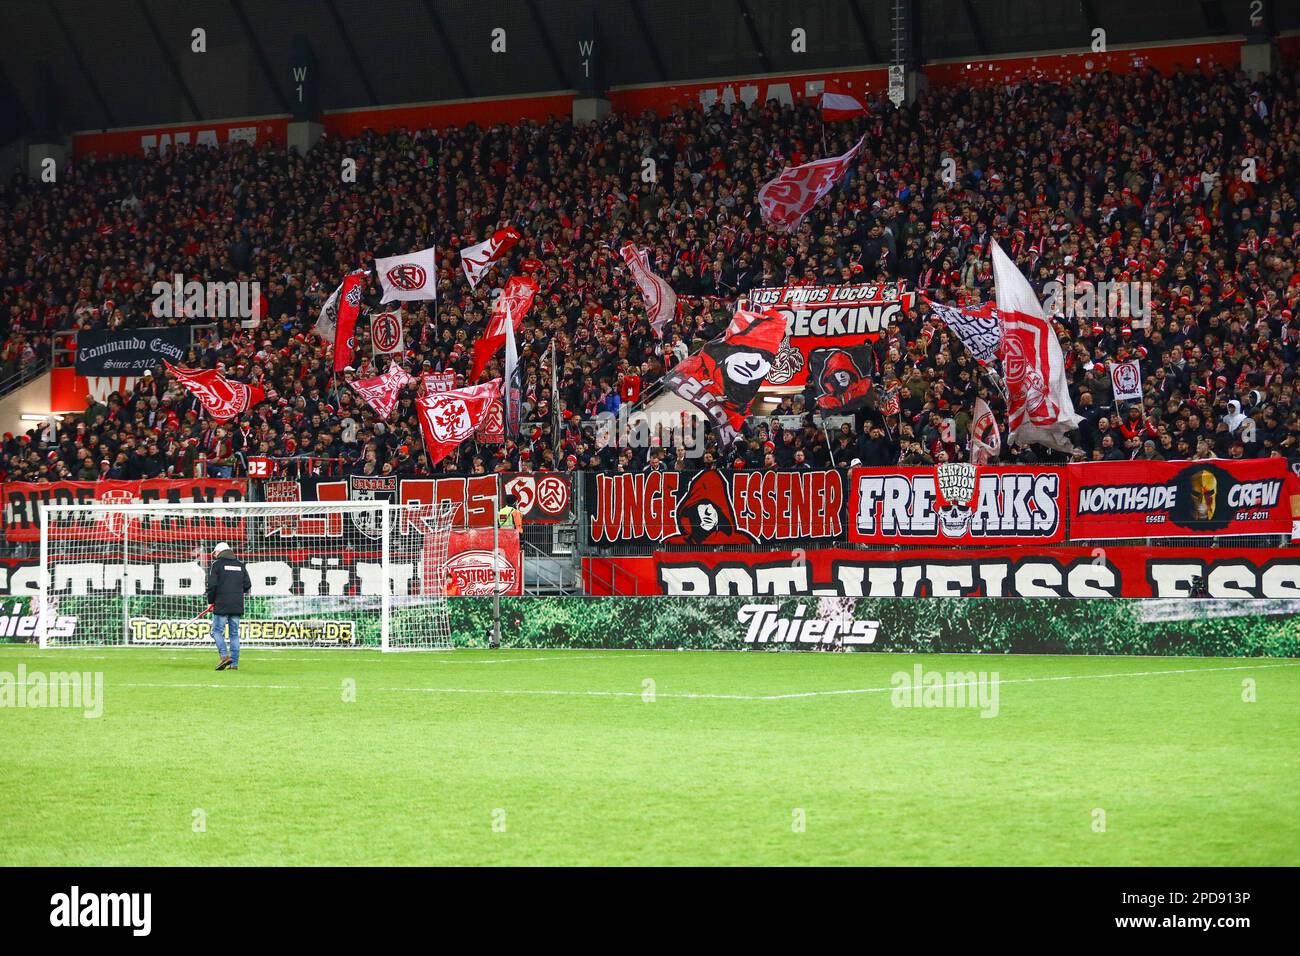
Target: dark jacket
[228, 582]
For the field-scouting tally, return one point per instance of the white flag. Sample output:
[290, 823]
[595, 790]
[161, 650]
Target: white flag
[409, 278]
[985, 439]
[328, 319]
[1039, 408]
[512, 386]
[477, 259]
[387, 335]
[1126, 378]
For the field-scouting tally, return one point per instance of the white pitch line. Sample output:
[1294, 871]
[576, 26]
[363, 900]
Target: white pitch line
[492, 691]
[1037, 680]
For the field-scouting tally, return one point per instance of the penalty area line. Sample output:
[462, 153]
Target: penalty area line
[1035, 680]
[525, 692]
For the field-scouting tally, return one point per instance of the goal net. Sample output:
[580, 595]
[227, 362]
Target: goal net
[338, 574]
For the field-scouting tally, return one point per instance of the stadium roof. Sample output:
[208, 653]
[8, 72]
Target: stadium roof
[93, 64]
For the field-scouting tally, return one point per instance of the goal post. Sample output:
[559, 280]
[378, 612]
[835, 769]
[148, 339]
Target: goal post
[324, 574]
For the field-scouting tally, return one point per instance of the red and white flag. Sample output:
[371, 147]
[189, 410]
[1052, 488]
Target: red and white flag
[839, 104]
[327, 321]
[478, 259]
[1038, 401]
[382, 391]
[785, 200]
[387, 335]
[349, 307]
[409, 278]
[985, 439]
[220, 397]
[660, 299]
[448, 418]
[512, 305]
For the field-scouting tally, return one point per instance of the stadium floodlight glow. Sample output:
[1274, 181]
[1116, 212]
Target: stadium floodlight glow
[325, 574]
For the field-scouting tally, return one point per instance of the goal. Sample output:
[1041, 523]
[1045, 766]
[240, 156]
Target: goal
[337, 574]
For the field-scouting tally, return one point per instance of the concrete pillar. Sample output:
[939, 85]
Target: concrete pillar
[915, 83]
[304, 135]
[1258, 59]
[589, 109]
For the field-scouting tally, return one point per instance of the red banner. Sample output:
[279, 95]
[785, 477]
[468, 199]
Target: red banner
[473, 568]
[1147, 499]
[957, 504]
[955, 572]
[545, 498]
[715, 508]
[22, 500]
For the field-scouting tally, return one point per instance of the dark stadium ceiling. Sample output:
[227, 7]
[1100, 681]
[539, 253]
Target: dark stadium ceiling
[92, 64]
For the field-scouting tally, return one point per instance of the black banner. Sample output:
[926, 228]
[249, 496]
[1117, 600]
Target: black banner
[130, 353]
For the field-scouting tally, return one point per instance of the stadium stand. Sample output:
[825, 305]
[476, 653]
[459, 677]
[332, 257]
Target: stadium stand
[1124, 177]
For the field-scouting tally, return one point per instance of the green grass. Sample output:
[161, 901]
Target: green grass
[287, 772]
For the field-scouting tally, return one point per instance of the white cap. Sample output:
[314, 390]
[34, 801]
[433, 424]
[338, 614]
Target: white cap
[219, 548]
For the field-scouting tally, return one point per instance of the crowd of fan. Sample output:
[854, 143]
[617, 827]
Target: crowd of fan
[1187, 182]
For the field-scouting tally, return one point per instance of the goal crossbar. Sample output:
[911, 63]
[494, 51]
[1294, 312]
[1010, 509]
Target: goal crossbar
[347, 573]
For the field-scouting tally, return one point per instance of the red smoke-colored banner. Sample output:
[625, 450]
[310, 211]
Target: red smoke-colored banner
[956, 572]
[22, 500]
[1148, 499]
[473, 569]
[957, 504]
[711, 508]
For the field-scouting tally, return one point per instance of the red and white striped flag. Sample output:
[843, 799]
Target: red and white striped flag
[660, 299]
[839, 104]
[1039, 408]
[785, 200]
[220, 397]
[381, 392]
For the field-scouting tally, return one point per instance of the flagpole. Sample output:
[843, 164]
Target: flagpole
[829, 447]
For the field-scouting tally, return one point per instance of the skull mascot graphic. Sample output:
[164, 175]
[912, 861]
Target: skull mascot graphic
[956, 492]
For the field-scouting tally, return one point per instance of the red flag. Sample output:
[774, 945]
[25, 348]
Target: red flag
[660, 300]
[515, 301]
[477, 259]
[448, 418]
[785, 200]
[723, 378]
[1039, 408]
[349, 306]
[381, 391]
[839, 104]
[220, 397]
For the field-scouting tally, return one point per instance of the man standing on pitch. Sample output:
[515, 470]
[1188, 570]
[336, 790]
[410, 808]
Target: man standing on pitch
[228, 582]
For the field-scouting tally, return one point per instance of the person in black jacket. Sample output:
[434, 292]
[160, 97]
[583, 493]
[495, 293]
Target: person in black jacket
[228, 582]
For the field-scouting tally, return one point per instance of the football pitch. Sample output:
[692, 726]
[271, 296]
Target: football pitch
[528, 757]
